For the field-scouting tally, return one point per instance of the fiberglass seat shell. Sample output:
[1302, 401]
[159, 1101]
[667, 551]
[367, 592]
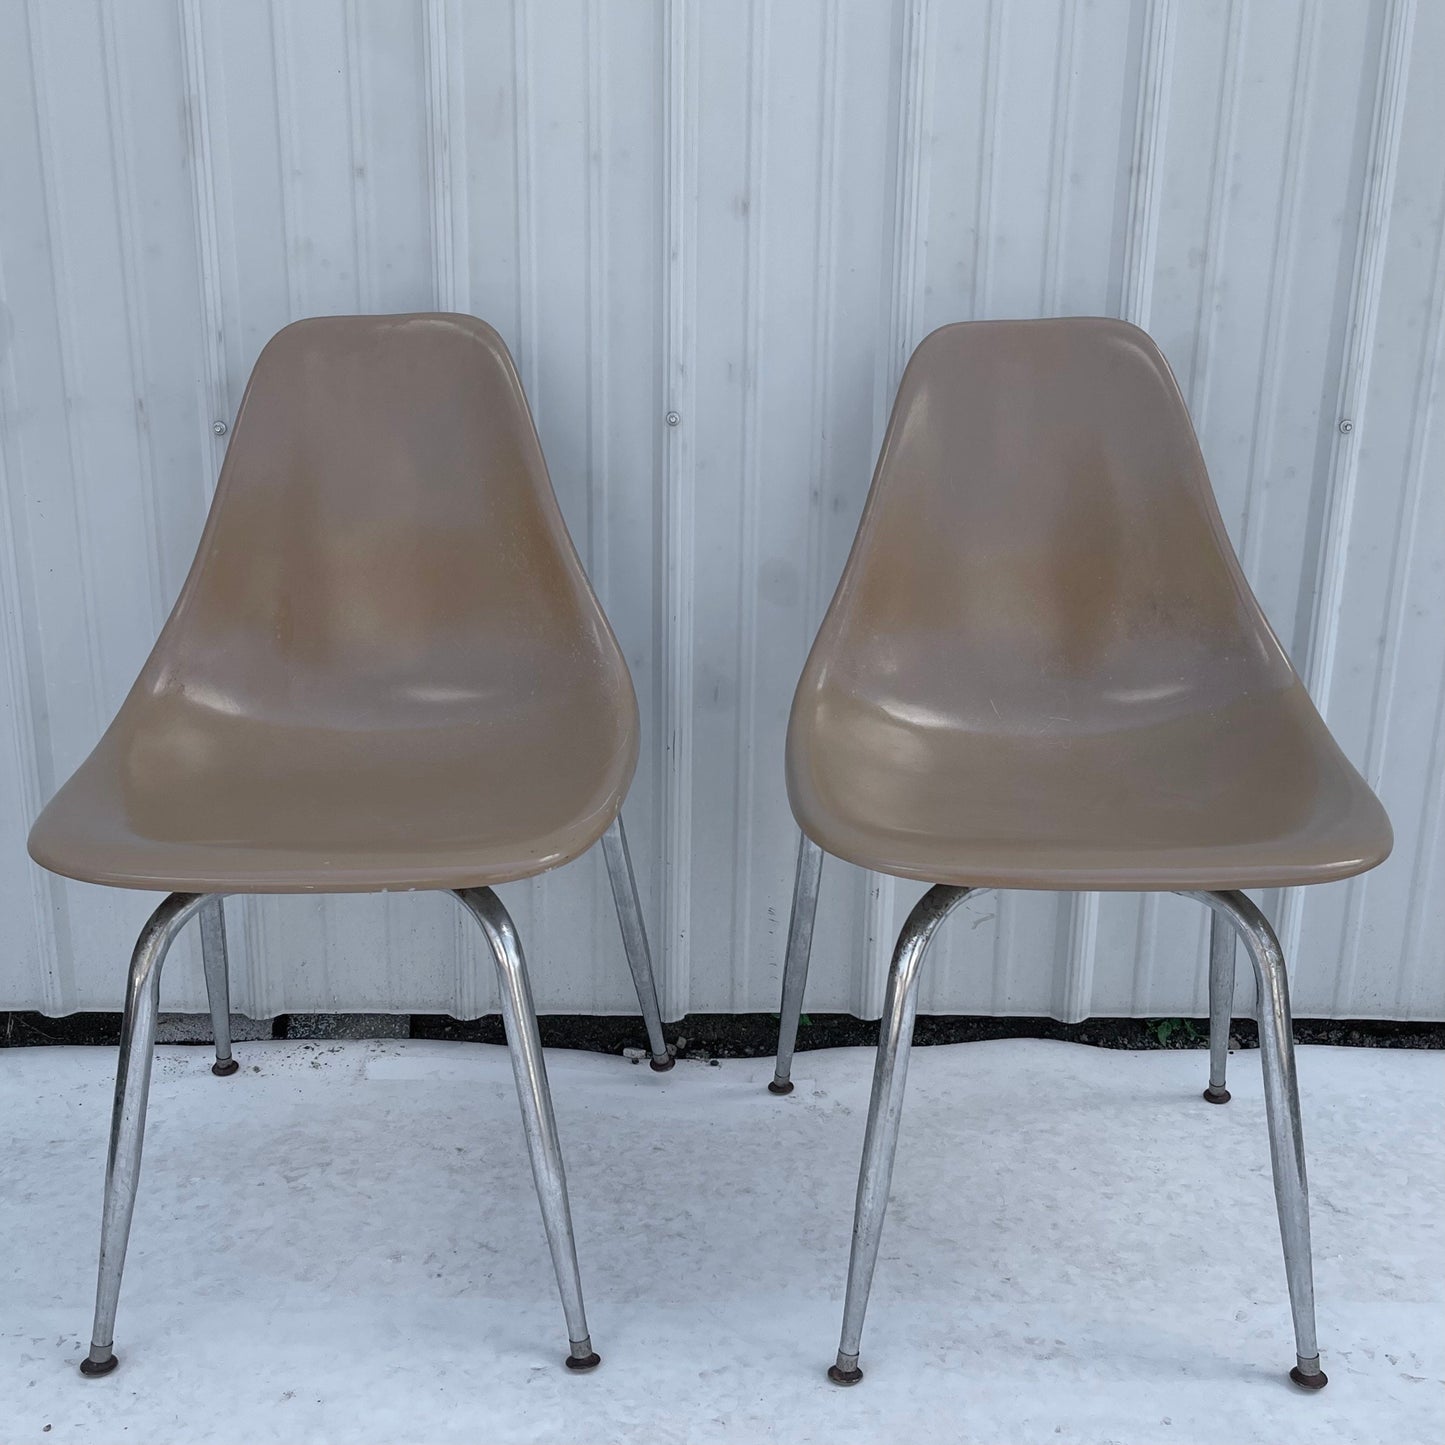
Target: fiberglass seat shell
[387, 668]
[1043, 667]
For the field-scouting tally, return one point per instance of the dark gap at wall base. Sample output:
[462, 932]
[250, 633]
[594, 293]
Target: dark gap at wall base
[732, 1036]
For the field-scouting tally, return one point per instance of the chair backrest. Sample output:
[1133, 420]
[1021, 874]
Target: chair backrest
[384, 545]
[1040, 547]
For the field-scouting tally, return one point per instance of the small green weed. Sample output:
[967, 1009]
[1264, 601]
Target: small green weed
[1175, 1033]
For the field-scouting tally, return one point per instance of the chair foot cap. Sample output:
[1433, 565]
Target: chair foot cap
[94, 1369]
[662, 1065]
[584, 1362]
[224, 1068]
[780, 1086]
[1316, 1380]
[844, 1377]
[1216, 1096]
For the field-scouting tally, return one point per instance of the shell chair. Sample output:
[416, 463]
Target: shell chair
[386, 670]
[1043, 668]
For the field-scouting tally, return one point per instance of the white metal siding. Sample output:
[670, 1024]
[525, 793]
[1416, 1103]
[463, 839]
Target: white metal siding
[749, 214]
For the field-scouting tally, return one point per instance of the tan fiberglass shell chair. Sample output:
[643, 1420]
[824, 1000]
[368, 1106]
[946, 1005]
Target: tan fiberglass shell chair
[386, 670]
[1043, 668]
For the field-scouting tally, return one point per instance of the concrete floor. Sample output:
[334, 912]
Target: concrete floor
[341, 1243]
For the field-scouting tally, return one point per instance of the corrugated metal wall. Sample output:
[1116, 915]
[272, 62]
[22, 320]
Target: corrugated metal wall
[748, 214]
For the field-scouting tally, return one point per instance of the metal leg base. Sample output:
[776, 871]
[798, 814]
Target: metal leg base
[795, 965]
[1281, 1100]
[539, 1124]
[1221, 1002]
[583, 1356]
[101, 1360]
[127, 1123]
[218, 982]
[634, 939]
[885, 1109]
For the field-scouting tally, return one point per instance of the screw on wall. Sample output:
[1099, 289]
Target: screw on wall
[1347, 426]
[220, 428]
[673, 419]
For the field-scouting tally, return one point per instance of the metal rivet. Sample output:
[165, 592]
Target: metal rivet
[1347, 426]
[673, 419]
[219, 427]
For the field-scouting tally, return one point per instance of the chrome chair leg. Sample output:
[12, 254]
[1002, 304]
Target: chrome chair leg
[1221, 1003]
[795, 966]
[519, 1018]
[885, 1108]
[1286, 1140]
[634, 938]
[127, 1123]
[218, 982]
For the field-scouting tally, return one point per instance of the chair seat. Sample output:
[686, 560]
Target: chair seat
[190, 799]
[1252, 793]
[1044, 666]
[387, 668]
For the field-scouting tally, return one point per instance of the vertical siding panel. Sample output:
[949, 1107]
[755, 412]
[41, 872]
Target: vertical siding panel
[755, 191]
[358, 153]
[39, 972]
[91, 628]
[1417, 541]
[446, 155]
[730, 101]
[1144, 938]
[1051, 289]
[995, 41]
[822, 457]
[882, 915]
[213, 384]
[1387, 663]
[1327, 593]
[597, 480]
[527, 900]
[678, 483]
[863, 370]
[1222, 165]
[627, 429]
[1156, 78]
[213, 403]
[36, 971]
[1091, 923]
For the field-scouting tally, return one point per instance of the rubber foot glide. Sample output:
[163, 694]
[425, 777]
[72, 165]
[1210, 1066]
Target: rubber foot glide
[585, 1362]
[1216, 1096]
[661, 1066]
[224, 1068]
[94, 1369]
[780, 1086]
[1317, 1381]
[844, 1377]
